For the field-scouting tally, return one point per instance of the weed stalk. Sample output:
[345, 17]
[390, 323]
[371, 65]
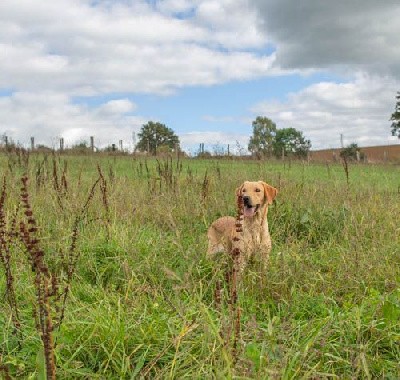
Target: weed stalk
[42, 282]
[5, 257]
[70, 261]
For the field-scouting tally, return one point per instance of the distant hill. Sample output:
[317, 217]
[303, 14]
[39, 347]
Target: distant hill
[384, 153]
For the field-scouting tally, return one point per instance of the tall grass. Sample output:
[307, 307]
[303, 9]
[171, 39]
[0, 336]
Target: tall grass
[142, 295]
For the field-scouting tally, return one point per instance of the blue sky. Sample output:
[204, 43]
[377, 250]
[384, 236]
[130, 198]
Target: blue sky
[204, 68]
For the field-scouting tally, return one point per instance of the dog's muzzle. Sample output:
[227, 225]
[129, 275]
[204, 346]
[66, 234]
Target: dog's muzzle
[249, 210]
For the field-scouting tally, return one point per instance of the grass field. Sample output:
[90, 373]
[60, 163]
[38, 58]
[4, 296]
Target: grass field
[142, 302]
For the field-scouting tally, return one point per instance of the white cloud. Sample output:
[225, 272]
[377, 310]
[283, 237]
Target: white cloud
[117, 106]
[76, 48]
[233, 23]
[49, 116]
[359, 110]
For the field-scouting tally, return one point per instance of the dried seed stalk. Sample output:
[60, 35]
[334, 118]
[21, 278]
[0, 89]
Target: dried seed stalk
[72, 255]
[5, 257]
[234, 280]
[28, 234]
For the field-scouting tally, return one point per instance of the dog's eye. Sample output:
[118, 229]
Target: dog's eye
[244, 190]
[258, 190]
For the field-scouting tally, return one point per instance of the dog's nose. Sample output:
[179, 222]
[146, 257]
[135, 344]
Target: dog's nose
[246, 200]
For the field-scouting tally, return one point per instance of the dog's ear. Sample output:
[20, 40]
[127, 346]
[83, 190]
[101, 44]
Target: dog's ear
[270, 192]
[239, 190]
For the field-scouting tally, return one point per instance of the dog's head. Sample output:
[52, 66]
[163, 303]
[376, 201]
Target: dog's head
[255, 195]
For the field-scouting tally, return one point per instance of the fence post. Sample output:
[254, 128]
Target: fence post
[32, 143]
[121, 145]
[61, 144]
[92, 143]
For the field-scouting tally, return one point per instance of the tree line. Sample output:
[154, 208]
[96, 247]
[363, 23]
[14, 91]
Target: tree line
[266, 141]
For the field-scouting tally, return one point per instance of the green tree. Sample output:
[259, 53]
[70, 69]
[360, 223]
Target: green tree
[352, 152]
[291, 142]
[395, 118]
[261, 142]
[155, 136]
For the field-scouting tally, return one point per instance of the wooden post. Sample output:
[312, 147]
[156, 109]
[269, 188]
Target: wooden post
[283, 154]
[228, 150]
[113, 148]
[92, 143]
[61, 144]
[121, 146]
[6, 141]
[32, 143]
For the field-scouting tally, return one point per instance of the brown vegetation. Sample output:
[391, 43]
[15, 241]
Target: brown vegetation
[373, 154]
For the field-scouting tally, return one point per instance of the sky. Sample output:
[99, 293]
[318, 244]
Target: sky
[205, 68]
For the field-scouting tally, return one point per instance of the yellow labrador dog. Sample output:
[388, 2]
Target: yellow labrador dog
[255, 238]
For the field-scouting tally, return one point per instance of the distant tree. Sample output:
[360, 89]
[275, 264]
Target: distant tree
[291, 142]
[43, 148]
[205, 154]
[352, 152]
[80, 145]
[110, 148]
[395, 118]
[154, 136]
[264, 131]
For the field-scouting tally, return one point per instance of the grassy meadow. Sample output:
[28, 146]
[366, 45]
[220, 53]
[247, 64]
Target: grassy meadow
[127, 236]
